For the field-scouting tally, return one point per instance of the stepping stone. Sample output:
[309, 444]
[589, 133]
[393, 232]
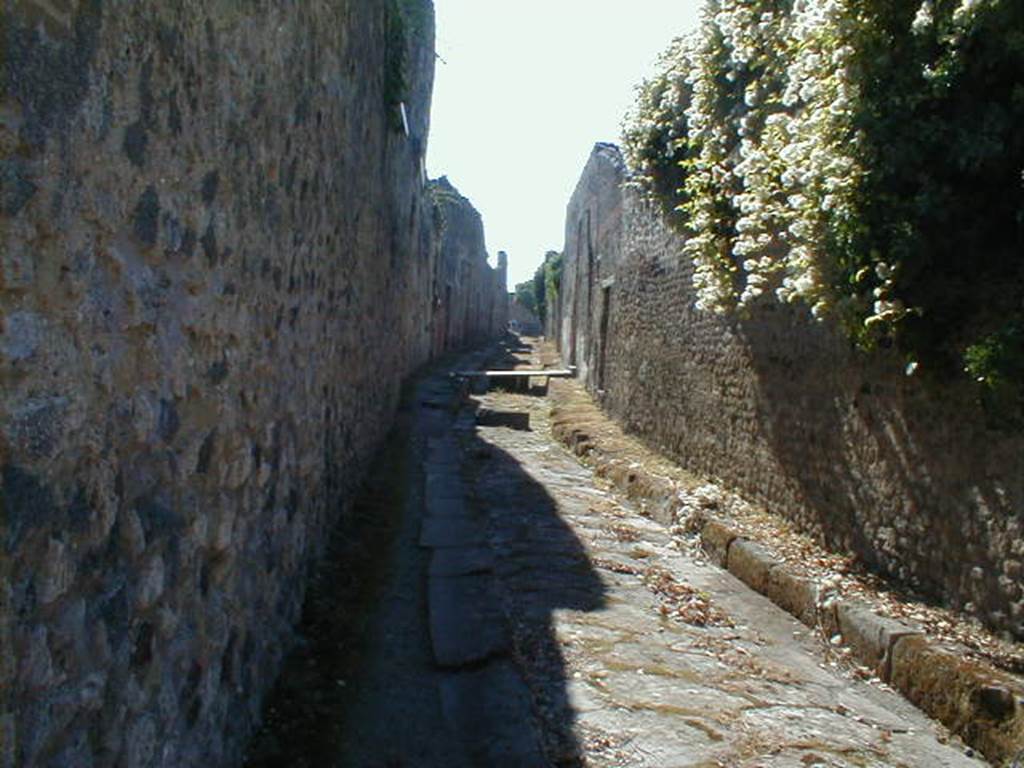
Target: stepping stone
[467, 624]
[445, 485]
[461, 561]
[452, 532]
[490, 710]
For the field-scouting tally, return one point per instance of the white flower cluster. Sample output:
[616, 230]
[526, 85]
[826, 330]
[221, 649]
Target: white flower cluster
[781, 161]
[778, 162]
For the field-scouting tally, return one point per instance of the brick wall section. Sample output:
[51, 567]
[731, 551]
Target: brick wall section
[901, 472]
[216, 266]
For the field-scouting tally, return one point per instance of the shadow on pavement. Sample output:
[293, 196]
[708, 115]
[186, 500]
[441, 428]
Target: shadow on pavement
[429, 638]
[540, 567]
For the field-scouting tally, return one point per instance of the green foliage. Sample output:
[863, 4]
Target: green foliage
[655, 135]
[442, 197]
[996, 362]
[404, 21]
[539, 291]
[863, 157]
[552, 279]
[526, 297]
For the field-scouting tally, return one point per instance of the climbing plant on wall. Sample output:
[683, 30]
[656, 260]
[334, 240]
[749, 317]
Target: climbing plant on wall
[404, 21]
[862, 157]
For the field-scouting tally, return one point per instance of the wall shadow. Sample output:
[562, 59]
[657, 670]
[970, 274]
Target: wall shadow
[366, 619]
[541, 567]
[892, 469]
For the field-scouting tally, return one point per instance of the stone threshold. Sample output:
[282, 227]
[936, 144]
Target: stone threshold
[978, 702]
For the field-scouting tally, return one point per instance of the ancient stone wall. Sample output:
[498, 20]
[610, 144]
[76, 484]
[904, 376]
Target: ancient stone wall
[897, 469]
[471, 297]
[216, 266]
[593, 231]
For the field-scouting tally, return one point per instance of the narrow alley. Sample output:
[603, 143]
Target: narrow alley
[522, 614]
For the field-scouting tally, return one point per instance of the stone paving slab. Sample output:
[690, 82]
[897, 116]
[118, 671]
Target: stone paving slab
[494, 707]
[445, 485]
[466, 621]
[461, 561]
[979, 701]
[621, 681]
[452, 532]
[441, 506]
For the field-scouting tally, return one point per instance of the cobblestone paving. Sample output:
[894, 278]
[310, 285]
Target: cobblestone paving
[636, 654]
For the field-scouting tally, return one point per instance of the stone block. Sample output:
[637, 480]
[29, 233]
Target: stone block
[870, 636]
[796, 594]
[467, 624]
[7, 741]
[21, 335]
[977, 702]
[461, 561]
[750, 563]
[150, 582]
[660, 495]
[715, 539]
[444, 485]
[490, 709]
[57, 573]
[452, 532]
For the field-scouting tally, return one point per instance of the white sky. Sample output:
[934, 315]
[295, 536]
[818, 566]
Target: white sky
[528, 88]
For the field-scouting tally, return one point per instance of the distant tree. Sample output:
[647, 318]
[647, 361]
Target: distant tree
[526, 297]
[538, 292]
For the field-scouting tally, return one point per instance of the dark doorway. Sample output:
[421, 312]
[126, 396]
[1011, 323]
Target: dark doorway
[606, 304]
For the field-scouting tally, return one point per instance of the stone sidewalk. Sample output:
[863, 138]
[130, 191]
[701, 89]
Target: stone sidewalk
[636, 654]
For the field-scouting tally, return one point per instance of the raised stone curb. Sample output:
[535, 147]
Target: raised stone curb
[979, 703]
[715, 539]
[798, 595]
[871, 636]
[750, 563]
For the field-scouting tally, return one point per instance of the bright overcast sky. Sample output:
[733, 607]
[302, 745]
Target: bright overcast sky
[528, 88]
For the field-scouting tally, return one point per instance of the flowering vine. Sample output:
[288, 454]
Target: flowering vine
[860, 157]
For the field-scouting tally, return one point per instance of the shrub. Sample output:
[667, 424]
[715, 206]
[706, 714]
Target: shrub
[861, 157]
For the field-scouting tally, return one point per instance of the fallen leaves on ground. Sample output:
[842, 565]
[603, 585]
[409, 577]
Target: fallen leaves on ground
[611, 451]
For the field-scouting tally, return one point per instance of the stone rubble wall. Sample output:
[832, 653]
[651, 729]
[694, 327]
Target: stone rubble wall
[897, 470]
[472, 296]
[593, 232]
[217, 260]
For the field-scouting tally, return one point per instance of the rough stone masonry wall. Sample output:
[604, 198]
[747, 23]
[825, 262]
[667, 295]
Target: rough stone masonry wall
[216, 266]
[471, 296]
[895, 469]
[593, 238]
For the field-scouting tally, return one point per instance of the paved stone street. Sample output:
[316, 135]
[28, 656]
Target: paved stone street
[526, 616]
[638, 655]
